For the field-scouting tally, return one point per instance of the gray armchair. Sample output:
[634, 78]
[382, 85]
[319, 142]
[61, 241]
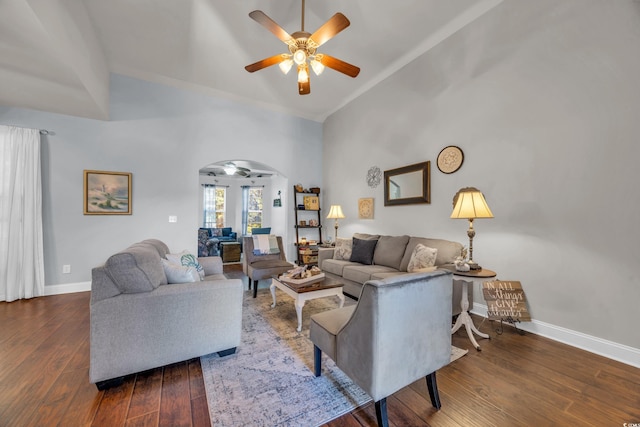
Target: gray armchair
[258, 267]
[398, 332]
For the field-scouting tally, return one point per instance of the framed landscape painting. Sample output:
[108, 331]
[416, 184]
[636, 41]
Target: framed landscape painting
[107, 193]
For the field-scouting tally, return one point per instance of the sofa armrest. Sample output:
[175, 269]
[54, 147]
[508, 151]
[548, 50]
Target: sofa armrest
[324, 253]
[211, 264]
[233, 235]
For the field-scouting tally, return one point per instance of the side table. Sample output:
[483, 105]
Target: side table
[468, 278]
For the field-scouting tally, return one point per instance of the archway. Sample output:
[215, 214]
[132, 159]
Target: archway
[232, 175]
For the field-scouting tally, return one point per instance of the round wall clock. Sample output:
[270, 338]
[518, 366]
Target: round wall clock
[450, 159]
[374, 175]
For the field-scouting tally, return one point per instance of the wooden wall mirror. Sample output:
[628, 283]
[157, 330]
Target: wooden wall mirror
[408, 185]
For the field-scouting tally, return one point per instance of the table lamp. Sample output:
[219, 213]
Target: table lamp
[469, 203]
[335, 213]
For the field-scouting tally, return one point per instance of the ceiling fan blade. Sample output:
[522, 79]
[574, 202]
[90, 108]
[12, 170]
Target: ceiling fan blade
[304, 88]
[338, 65]
[267, 62]
[261, 18]
[329, 29]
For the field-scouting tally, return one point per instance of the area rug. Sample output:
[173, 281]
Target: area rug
[269, 380]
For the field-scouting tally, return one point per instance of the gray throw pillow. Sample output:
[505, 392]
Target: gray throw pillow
[362, 251]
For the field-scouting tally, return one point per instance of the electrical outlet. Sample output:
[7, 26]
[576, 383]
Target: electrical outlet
[66, 269]
[173, 218]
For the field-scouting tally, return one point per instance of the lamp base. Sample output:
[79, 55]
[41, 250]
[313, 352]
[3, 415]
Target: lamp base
[474, 265]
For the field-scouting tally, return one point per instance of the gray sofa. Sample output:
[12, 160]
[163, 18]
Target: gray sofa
[391, 258]
[140, 322]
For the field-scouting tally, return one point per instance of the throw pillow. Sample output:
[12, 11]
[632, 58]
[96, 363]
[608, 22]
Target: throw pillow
[343, 249]
[216, 232]
[265, 244]
[188, 260]
[180, 273]
[362, 251]
[422, 257]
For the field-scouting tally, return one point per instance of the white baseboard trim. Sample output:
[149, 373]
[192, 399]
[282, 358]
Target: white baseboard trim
[609, 349]
[67, 288]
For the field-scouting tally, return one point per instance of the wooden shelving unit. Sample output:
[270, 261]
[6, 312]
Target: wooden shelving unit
[306, 216]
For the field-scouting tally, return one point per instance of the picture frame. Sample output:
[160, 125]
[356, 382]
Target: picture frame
[450, 159]
[365, 208]
[107, 193]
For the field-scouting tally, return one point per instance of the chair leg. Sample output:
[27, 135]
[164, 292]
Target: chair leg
[381, 412]
[432, 385]
[255, 288]
[249, 283]
[317, 361]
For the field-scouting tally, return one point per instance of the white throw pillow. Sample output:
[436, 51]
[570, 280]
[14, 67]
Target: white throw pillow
[343, 249]
[177, 273]
[187, 259]
[422, 257]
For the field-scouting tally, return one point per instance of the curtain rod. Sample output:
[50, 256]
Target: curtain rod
[42, 131]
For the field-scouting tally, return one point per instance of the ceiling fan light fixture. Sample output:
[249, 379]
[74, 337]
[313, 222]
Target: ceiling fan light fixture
[317, 66]
[229, 169]
[300, 56]
[286, 65]
[303, 74]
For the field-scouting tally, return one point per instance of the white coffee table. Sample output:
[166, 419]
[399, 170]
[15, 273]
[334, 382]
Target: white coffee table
[305, 292]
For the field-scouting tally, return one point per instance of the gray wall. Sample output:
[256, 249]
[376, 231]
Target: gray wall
[163, 136]
[544, 100]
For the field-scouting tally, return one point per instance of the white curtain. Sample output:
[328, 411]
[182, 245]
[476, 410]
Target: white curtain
[21, 248]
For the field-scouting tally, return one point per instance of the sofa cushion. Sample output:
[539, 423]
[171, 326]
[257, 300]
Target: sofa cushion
[159, 245]
[362, 251]
[422, 257]
[177, 273]
[365, 236]
[361, 273]
[447, 250]
[226, 231]
[343, 248]
[335, 266]
[389, 251]
[136, 269]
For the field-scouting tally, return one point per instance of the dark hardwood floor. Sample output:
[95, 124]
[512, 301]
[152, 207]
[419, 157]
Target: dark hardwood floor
[514, 381]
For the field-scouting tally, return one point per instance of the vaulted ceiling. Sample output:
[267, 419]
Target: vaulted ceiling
[56, 55]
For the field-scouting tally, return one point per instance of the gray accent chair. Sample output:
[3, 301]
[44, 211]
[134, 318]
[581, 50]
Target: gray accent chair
[258, 267]
[398, 332]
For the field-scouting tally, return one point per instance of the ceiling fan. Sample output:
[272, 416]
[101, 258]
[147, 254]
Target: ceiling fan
[302, 49]
[231, 168]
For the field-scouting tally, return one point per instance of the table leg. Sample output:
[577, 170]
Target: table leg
[273, 294]
[299, 305]
[465, 319]
[341, 296]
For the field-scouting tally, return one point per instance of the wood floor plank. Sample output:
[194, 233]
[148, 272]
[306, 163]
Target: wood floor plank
[196, 383]
[146, 393]
[175, 404]
[200, 412]
[114, 405]
[56, 403]
[147, 420]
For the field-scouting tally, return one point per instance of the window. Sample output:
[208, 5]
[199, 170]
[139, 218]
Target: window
[214, 205]
[251, 208]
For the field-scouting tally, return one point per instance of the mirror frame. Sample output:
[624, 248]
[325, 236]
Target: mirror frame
[425, 168]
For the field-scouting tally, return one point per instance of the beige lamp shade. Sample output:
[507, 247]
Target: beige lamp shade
[469, 203]
[335, 212]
